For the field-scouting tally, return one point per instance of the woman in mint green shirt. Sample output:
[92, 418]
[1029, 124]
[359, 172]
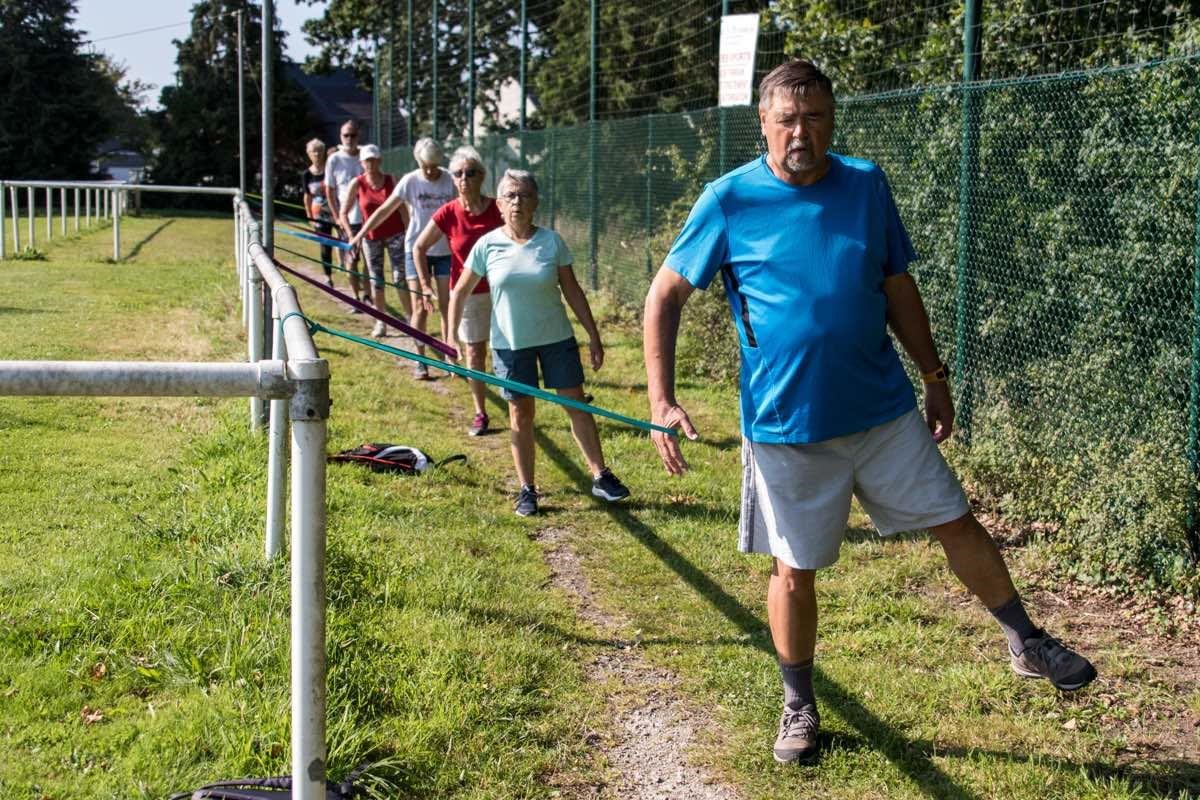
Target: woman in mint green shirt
[529, 273]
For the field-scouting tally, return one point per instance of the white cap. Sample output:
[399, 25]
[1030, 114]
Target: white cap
[369, 151]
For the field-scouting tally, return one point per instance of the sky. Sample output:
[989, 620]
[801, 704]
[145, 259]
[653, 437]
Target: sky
[150, 54]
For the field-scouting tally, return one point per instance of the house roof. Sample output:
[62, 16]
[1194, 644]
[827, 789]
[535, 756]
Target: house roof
[335, 98]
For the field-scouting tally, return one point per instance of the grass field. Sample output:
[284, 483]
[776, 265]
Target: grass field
[143, 640]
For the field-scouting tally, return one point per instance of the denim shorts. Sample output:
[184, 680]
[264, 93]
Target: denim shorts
[438, 265]
[394, 245]
[561, 367]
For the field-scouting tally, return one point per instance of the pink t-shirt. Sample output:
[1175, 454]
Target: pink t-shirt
[463, 230]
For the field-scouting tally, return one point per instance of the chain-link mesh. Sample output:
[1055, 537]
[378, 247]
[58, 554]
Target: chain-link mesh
[1056, 216]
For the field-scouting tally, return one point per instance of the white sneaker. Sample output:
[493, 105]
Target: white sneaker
[379, 331]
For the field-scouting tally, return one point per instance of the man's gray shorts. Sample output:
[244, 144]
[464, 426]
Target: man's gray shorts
[796, 497]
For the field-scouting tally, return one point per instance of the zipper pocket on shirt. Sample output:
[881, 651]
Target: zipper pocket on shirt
[751, 339]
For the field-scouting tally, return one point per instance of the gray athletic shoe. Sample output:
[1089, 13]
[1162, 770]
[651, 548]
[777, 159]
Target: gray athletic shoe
[609, 487]
[1046, 657]
[527, 502]
[797, 739]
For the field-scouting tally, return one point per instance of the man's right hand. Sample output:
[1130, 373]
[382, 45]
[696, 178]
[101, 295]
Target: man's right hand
[668, 446]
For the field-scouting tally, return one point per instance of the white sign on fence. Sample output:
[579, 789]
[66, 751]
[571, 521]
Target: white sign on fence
[739, 41]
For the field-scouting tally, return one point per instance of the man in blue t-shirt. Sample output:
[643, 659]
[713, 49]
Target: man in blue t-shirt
[814, 260]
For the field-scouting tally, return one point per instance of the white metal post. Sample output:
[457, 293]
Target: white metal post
[77, 209]
[308, 591]
[87, 207]
[62, 209]
[115, 200]
[29, 197]
[276, 455]
[49, 213]
[3, 221]
[16, 218]
[254, 339]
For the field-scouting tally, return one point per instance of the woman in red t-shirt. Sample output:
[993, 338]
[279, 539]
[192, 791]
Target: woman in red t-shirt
[371, 190]
[462, 221]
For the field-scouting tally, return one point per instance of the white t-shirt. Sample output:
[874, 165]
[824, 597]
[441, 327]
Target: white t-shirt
[341, 169]
[423, 198]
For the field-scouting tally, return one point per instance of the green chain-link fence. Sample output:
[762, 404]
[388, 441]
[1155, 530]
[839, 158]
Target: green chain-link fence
[1056, 215]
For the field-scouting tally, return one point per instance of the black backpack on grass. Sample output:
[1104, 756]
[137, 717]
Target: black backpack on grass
[381, 457]
[279, 788]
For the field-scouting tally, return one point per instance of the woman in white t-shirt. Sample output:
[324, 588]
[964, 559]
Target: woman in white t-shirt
[421, 192]
[529, 274]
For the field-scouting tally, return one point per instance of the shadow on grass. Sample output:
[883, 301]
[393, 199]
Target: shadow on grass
[16, 310]
[904, 755]
[137, 248]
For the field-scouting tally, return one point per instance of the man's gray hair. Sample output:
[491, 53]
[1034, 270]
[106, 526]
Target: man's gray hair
[467, 153]
[522, 176]
[314, 144]
[796, 77]
[427, 151]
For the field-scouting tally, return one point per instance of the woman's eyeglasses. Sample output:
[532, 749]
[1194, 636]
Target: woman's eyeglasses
[512, 197]
[470, 172]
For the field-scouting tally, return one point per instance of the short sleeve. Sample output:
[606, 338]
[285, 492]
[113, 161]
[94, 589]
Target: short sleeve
[900, 252]
[401, 188]
[329, 179]
[477, 258]
[562, 253]
[444, 218]
[702, 247]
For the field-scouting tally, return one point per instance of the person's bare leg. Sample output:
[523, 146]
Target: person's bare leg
[443, 292]
[477, 360]
[792, 612]
[976, 561]
[583, 428]
[419, 314]
[520, 424]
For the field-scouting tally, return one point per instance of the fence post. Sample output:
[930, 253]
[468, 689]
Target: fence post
[375, 115]
[241, 56]
[391, 80]
[77, 209]
[722, 119]
[30, 200]
[1193, 434]
[649, 185]
[551, 143]
[254, 338]
[276, 455]
[268, 159]
[434, 71]
[62, 210]
[49, 213]
[471, 71]
[521, 77]
[964, 329]
[409, 100]
[309, 410]
[3, 221]
[16, 218]
[115, 202]
[593, 228]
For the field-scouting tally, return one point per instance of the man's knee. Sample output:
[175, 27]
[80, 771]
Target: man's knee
[793, 580]
[964, 527]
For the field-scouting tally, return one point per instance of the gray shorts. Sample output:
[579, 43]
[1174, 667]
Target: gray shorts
[395, 250]
[796, 497]
[561, 367]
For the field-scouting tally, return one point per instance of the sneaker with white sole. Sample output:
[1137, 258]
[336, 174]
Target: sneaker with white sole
[479, 425]
[1046, 657]
[379, 331]
[421, 372]
[609, 487]
[527, 502]
[797, 739]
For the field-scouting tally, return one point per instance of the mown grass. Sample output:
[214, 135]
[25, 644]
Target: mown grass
[132, 587]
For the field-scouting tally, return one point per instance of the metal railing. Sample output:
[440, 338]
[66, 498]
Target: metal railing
[295, 382]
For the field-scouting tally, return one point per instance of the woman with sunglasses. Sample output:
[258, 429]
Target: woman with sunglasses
[529, 274]
[461, 222]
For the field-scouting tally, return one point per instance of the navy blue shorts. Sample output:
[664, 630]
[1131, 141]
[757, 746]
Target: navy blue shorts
[561, 367]
[438, 265]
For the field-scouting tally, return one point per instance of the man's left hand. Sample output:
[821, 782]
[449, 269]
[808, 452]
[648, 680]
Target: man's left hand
[939, 410]
[597, 352]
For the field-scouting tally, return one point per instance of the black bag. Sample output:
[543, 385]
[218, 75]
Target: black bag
[382, 457]
[278, 788]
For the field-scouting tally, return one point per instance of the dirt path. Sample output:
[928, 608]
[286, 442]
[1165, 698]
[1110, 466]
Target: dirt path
[647, 747]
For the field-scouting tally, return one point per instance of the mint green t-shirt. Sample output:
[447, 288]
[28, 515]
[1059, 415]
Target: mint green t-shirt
[527, 304]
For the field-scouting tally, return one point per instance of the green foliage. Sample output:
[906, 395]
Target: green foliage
[59, 103]
[198, 124]
[28, 253]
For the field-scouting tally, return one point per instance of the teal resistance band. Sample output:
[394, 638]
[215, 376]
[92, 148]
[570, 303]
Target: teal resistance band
[312, 237]
[492, 379]
[349, 272]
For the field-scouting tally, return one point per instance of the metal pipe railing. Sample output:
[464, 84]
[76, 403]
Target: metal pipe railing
[144, 379]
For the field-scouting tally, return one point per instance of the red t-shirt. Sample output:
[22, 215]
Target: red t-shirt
[369, 200]
[462, 231]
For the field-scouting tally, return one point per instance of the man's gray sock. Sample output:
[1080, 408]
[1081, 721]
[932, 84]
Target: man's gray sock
[1015, 622]
[797, 684]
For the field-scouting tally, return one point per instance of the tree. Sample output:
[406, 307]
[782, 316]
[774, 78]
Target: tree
[198, 123]
[59, 103]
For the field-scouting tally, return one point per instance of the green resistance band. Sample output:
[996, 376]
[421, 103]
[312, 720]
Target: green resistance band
[259, 198]
[522, 388]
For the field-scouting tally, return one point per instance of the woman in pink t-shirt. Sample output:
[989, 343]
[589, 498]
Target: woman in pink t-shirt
[462, 221]
[371, 190]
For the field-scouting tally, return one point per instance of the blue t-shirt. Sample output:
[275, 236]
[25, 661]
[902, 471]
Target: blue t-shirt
[803, 267]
